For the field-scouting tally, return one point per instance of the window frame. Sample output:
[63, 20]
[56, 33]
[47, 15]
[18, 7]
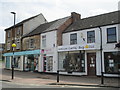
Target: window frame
[17, 43]
[18, 31]
[8, 33]
[31, 43]
[112, 35]
[72, 40]
[8, 45]
[93, 37]
[43, 41]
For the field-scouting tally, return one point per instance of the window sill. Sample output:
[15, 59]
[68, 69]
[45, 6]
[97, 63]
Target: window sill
[111, 42]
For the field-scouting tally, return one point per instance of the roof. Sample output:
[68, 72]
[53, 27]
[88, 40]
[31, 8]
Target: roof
[39, 29]
[20, 23]
[95, 21]
[46, 27]
[57, 24]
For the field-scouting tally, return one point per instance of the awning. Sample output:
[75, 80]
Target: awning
[22, 53]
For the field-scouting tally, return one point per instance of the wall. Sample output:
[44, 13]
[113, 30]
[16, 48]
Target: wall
[51, 48]
[80, 35]
[36, 44]
[33, 23]
[108, 46]
[61, 29]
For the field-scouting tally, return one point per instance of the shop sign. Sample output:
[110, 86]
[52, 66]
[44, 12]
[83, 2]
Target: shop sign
[48, 51]
[76, 47]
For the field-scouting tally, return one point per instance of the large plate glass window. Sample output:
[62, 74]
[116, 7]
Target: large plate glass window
[73, 61]
[112, 62]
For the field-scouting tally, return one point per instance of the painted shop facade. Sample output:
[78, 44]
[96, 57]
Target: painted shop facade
[81, 54]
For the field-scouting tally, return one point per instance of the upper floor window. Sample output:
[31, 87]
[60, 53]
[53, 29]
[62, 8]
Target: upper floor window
[31, 43]
[17, 43]
[111, 35]
[43, 41]
[8, 45]
[73, 38]
[18, 31]
[8, 34]
[91, 37]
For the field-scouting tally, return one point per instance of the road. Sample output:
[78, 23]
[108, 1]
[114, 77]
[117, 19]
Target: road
[18, 85]
[33, 80]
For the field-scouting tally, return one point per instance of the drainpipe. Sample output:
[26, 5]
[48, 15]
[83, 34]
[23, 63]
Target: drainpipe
[58, 70]
[101, 48]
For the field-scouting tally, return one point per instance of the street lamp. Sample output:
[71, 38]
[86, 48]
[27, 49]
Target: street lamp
[13, 46]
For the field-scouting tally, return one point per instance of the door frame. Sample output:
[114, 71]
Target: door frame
[88, 68]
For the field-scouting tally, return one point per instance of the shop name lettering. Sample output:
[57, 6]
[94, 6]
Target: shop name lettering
[76, 47]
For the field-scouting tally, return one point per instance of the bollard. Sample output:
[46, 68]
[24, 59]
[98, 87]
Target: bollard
[102, 78]
[12, 71]
[57, 75]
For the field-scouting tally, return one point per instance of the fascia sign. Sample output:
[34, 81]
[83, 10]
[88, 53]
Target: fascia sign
[76, 47]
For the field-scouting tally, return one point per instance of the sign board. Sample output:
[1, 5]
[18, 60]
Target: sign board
[78, 47]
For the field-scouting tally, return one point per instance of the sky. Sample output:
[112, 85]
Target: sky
[51, 9]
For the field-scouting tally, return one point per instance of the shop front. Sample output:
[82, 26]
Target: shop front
[72, 61]
[31, 62]
[48, 60]
[112, 62]
[24, 61]
[77, 59]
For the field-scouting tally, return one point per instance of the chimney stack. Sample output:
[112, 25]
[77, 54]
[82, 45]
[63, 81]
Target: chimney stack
[75, 16]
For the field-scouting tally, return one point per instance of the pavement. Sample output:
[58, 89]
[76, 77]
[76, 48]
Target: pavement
[34, 78]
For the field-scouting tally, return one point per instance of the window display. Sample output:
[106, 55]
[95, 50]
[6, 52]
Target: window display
[72, 61]
[112, 62]
[31, 63]
[17, 62]
[49, 63]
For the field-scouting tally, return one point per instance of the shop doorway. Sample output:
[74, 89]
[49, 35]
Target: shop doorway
[91, 64]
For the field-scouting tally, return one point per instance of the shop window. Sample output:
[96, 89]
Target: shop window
[49, 63]
[43, 41]
[17, 62]
[44, 63]
[7, 62]
[31, 63]
[111, 35]
[112, 62]
[73, 38]
[91, 37]
[72, 61]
